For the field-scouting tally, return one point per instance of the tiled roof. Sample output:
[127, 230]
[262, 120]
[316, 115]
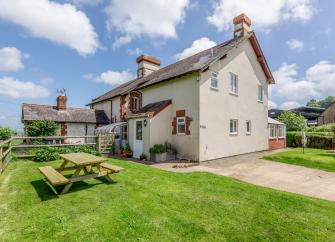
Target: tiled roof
[187, 65]
[32, 112]
[152, 109]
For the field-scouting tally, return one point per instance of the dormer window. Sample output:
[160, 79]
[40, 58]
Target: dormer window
[135, 104]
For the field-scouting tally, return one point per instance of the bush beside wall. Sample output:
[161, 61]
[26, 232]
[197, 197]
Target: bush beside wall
[314, 140]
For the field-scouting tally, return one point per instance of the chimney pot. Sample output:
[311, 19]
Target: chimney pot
[241, 25]
[146, 65]
[61, 102]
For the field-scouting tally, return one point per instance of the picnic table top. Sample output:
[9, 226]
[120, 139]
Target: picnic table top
[81, 159]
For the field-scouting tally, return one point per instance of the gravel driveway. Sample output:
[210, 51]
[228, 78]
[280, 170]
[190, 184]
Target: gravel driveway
[252, 169]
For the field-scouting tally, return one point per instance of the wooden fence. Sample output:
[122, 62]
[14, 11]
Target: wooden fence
[6, 147]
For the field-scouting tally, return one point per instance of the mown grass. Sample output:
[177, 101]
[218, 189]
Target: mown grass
[147, 204]
[312, 158]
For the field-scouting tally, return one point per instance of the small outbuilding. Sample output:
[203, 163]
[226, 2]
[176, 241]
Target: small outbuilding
[277, 134]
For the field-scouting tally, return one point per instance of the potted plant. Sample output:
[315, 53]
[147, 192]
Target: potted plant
[158, 153]
[127, 152]
[171, 152]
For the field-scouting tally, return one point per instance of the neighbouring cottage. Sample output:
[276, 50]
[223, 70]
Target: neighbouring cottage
[72, 121]
[328, 115]
[210, 105]
[277, 134]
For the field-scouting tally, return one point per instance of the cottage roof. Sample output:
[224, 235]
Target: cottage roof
[194, 63]
[152, 109]
[273, 121]
[31, 112]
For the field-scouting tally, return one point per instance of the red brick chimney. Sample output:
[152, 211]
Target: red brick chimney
[61, 102]
[241, 25]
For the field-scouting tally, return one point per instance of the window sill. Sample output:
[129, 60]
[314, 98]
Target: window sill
[233, 94]
[248, 134]
[233, 134]
[214, 89]
[259, 101]
[181, 134]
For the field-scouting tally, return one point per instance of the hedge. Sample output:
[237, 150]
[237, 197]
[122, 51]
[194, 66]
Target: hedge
[314, 140]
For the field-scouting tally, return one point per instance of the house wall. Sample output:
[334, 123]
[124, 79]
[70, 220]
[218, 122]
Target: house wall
[217, 107]
[275, 144]
[79, 129]
[328, 116]
[107, 105]
[184, 93]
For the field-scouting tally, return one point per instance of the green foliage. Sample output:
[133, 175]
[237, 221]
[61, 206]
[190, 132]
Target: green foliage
[41, 128]
[321, 103]
[143, 156]
[127, 151]
[52, 153]
[5, 133]
[314, 140]
[323, 128]
[294, 122]
[157, 149]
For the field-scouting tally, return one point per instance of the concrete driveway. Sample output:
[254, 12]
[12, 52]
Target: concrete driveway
[252, 169]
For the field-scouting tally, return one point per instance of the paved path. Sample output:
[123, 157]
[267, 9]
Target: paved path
[251, 168]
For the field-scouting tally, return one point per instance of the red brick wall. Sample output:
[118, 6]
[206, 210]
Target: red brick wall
[63, 129]
[275, 144]
[134, 94]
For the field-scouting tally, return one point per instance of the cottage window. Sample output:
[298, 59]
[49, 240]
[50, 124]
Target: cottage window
[272, 131]
[281, 131]
[135, 104]
[233, 83]
[181, 125]
[248, 127]
[260, 93]
[214, 80]
[233, 126]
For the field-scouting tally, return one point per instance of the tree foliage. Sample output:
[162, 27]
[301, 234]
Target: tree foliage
[321, 103]
[294, 122]
[41, 128]
[5, 133]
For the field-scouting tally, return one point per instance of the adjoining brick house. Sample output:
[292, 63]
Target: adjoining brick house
[210, 105]
[277, 134]
[328, 115]
[71, 121]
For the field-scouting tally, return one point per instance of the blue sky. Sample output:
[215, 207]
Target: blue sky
[89, 46]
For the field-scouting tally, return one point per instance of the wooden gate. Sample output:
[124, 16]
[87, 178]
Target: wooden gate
[105, 143]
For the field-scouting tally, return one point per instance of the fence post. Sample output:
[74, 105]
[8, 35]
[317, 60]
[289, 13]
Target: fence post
[98, 145]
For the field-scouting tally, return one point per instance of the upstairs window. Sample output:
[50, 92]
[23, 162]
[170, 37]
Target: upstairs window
[135, 104]
[233, 126]
[181, 125]
[214, 80]
[260, 93]
[233, 83]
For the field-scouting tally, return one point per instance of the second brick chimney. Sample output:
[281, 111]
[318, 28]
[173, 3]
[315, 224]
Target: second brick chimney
[61, 102]
[241, 25]
[146, 65]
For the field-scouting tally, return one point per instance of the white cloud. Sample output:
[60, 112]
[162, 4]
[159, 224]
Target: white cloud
[59, 23]
[156, 19]
[11, 59]
[86, 2]
[318, 82]
[264, 14]
[272, 104]
[114, 77]
[289, 105]
[196, 47]
[295, 44]
[13, 88]
[136, 51]
[46, 81]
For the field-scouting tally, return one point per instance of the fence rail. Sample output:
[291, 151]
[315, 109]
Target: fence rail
[7, 146]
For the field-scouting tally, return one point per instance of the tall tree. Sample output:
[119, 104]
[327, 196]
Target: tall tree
[294, 122]
[323, 103]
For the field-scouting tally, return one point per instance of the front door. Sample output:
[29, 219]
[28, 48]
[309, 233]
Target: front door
[138, 138]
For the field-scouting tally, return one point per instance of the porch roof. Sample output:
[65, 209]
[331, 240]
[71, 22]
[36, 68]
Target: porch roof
[152, 109]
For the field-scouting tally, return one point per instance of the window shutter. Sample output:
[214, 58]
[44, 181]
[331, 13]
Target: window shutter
[174, 126]
[188, 123]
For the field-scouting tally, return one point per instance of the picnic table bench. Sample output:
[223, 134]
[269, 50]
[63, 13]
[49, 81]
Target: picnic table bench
[80, 162]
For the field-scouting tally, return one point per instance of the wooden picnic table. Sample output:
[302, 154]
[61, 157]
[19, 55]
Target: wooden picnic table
[92, 166]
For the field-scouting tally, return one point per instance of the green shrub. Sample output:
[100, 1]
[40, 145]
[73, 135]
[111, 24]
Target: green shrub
[294, 122]
[157, 149]
[293, 139]
[326, 128]
[5, 133]
[143, 156]
[41, 128]
[46, 154]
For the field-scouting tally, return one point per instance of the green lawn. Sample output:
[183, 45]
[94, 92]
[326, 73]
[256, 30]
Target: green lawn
[147, 204]
[313, 158]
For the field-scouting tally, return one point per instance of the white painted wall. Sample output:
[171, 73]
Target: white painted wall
[218, 107]
[105, 106]
[79, 129]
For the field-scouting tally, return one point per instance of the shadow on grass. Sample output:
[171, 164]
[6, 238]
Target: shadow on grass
[47, 192]
[327, 155]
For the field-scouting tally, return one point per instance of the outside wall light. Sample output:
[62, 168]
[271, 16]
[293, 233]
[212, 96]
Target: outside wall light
[145, 123]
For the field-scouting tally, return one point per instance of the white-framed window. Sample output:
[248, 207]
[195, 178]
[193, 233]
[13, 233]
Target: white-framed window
[233, 128]
[272, 131]
[181, 125]
[233, 83]
[214, 80]
[260, 93]
[281, 131]
[136, 104]
[248, 126]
